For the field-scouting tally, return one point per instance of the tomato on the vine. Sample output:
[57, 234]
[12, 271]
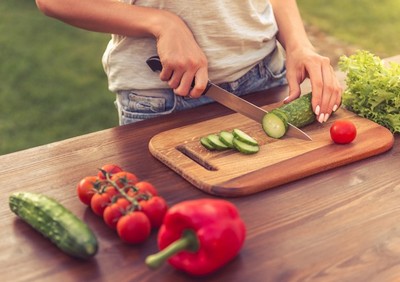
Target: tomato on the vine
[134, 227]
[113, 212]
[343, 131]
[146, 187]
[124, 178]
[86, 188]
[155, 208]
[109, 169]
[99, 202]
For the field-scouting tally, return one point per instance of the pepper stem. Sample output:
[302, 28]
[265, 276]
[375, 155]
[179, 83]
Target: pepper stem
[188, 242]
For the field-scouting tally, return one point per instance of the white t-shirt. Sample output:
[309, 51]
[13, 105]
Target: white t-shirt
[234, 35]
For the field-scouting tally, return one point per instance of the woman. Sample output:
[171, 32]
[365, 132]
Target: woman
[236, 44]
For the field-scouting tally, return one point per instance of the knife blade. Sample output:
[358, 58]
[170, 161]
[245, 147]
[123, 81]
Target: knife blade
[234, 102]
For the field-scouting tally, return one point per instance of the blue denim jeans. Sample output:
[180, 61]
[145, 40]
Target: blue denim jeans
[136, 105]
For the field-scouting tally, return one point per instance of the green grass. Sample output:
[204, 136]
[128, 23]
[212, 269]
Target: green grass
[369, 24]
[52, 84]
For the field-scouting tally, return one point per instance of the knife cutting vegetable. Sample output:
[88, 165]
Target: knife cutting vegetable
[199, 236]
[236, 103]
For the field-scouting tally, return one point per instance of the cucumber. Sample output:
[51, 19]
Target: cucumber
[274, 125]
[216, 142]
[244, 137]
[206, 143]
[244, 147]
[226, 137]
[298, 113]
[54, 221]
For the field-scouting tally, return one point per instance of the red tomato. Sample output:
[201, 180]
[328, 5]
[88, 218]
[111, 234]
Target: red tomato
[113, 212]
[343, 131]
[110, 169]
[124, 178]
[134, 227]
[86, 188]
[111, 190]
[146, 187]
[99, 202]
[155, 208]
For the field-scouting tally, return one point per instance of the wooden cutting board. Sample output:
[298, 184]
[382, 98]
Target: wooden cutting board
[230, 173]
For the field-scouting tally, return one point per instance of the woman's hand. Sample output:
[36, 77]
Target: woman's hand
[305, 63]
[181, 57]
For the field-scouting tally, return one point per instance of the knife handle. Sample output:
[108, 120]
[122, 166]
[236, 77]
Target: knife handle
[155, 65]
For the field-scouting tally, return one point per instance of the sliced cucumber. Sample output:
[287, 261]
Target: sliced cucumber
[274, 125]
[244, 147]
[226, 137]
[237, 139]
[216, 142]
[206, 143]
[298, 113]
[244, 137]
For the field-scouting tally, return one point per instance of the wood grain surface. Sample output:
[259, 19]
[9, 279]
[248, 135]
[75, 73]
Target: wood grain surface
[229, 173]
[338, 225]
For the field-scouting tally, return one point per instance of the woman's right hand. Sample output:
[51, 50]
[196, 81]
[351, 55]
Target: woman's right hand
[181, 57]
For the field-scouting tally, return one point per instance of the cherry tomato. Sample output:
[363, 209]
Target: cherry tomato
[110, 169]
[113, 212]
[124, 178]
[111, 190]
[343, 131]
[155, 208]
[146, 187]
[134, 227]
[86, 188]
[99, 202]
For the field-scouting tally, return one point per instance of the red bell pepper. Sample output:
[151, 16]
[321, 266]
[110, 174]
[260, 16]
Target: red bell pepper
[199, 236]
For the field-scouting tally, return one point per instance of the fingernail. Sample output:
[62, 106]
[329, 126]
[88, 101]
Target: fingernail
[285, 100]
[326, 117]
[335, 107]
[321, 118]
[317, 109]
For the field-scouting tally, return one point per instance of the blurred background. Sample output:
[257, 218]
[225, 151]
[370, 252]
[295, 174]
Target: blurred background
[53, 87]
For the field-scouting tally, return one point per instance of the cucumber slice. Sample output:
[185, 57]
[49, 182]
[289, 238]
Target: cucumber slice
[206, 143]
[274, 125]
[226, 137]
[216, 142]
[244, 137]
[244, 147]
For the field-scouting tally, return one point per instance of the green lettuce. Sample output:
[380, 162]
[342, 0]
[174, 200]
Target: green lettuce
[373, 88]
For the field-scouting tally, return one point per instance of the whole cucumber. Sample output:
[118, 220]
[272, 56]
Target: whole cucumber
[54, 221]
[299, 112]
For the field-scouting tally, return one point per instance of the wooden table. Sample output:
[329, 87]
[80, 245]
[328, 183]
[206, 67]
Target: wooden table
[339, 225]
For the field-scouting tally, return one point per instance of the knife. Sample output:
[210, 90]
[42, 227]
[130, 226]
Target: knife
[234, 102]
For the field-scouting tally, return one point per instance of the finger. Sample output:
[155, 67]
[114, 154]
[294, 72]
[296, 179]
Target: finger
[338, 101]
[166, 72]
[184, 84]
[327, 93]
[332, 93]
[316, 79]
[201, 81]
[175, 79]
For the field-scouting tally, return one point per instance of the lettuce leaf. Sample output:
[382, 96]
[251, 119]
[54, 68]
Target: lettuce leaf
[373, 88]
